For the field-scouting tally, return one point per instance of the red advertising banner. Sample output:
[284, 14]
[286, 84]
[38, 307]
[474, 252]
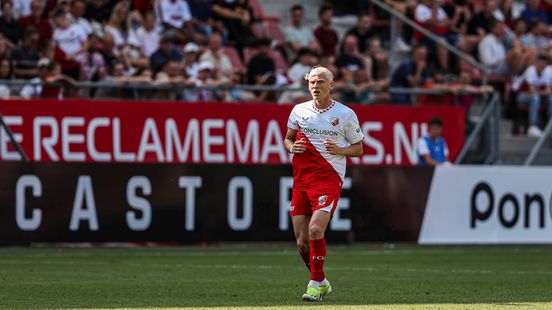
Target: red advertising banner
[178, 132]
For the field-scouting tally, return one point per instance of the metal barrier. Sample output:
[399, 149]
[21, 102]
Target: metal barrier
[12, 139]
[539, 144]
[492, 114]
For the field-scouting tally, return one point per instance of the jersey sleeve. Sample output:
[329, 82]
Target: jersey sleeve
[353, 132]
[423, 148]
[445, 149]
[293, 120]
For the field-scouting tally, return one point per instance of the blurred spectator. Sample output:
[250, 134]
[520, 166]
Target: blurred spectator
[39, 22]
[117, 24]
[165, 53]
[260, 64]
[533, 86]
[202, 12]
[203, 78]
[362, 31]
[533, 11]
[78, 7]
[93, 66]
[214, 54]
[237, 18]
[48, 72]
[413, 72]
[190, 59]
[349, 61]
[26, 55]
[21, 8]
[492, 53]
[480, 23]
[297, 35]
[70, 43]
[109, 53]
[147, 36]
[377, 62]
[6, 73]
[298, 95]
[9, 26]
[433, 149]
[98, 11]
[537, 35]
[324, 33]
[173, 13]
[306, 59]
[431, 15]
[459, 14]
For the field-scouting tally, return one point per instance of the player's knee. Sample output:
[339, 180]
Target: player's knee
[316, 232]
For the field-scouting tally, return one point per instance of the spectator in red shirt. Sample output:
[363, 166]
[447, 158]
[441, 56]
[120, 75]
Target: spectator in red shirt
[39, 22]
[325, 34]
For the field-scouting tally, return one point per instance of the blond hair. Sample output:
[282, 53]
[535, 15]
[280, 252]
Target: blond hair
[320, 69]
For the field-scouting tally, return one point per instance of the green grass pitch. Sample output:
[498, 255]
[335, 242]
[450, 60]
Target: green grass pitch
[273, 276]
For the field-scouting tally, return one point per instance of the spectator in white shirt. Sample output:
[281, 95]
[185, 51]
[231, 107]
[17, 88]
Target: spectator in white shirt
[493, 55]
[305, 61]
[147, 36]
[190, 60]
[214, 55]
[173, 13]
[117, 24]
[71, 43]
[432, 16]
[297, 35]
[533, 86]
[76, 11]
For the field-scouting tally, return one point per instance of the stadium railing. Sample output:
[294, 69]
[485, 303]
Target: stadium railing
[539, 144]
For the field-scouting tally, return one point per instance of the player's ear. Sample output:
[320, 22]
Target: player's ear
[332, 84]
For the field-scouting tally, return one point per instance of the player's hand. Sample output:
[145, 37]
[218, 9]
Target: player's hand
[331, 147]
[299, 147]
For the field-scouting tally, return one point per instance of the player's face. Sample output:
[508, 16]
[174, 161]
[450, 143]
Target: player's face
[320, 86]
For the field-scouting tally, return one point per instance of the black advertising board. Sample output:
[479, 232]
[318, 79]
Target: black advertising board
[93, 202]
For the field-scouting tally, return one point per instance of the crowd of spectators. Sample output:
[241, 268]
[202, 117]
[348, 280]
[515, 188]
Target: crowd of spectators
[222, 42]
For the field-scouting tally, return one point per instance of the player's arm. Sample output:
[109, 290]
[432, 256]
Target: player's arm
[353, 150]
[429, 161]
[294, 147]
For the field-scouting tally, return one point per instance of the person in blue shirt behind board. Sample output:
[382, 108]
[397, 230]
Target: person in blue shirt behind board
[432, 149]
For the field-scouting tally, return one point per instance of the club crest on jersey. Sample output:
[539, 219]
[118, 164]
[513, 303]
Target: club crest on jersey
[322, 200]
[334, 121]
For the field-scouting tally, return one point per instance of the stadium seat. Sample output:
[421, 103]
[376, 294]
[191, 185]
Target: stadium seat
[235, 59]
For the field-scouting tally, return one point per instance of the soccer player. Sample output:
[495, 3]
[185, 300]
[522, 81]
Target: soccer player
[321, 134]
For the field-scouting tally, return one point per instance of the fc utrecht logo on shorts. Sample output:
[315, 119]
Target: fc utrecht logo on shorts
[291, 208]
[322, 200]
[334, 121]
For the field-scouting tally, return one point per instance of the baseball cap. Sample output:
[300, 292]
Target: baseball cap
[205, 65]
[191, 47]
[43, 62]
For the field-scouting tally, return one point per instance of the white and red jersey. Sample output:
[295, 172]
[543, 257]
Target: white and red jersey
[317, 168]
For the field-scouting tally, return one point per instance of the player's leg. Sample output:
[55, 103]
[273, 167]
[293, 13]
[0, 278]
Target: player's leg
[318, 285]
[323, 204]
[300, 211]
[301, 230]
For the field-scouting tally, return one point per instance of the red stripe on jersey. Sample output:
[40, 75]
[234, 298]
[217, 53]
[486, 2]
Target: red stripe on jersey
[311, 170]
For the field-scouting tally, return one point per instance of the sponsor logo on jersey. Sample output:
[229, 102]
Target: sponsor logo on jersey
[322, 200]
[358, 130]
[305, 118]
[334, 121]
[320, 132]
